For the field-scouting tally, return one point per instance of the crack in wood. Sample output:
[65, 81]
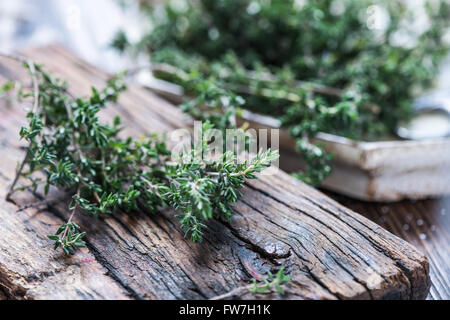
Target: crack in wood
[398, 262]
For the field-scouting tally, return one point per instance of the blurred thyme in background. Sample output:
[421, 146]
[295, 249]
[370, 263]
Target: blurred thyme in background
[71, 149]
[347, 67]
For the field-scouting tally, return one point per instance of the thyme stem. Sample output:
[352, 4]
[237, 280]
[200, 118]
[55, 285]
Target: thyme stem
[31, 67]
[73, 213]
[16, 178]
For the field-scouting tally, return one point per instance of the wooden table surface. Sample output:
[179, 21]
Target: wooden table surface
[425, 224]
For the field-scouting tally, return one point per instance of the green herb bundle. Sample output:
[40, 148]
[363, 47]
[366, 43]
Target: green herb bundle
[348, 67]
[71, 149]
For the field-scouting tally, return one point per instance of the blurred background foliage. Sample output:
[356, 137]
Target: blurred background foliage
[348, 67]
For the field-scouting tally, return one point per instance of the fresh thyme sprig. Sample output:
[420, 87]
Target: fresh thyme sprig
[105, 173]
[214, 99]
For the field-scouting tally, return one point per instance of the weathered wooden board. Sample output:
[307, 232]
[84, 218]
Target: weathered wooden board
[331, 252]
[425, 224]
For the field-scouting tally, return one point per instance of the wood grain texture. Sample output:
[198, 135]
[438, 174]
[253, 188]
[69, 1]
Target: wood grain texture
[425, 224]
[330, 251]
